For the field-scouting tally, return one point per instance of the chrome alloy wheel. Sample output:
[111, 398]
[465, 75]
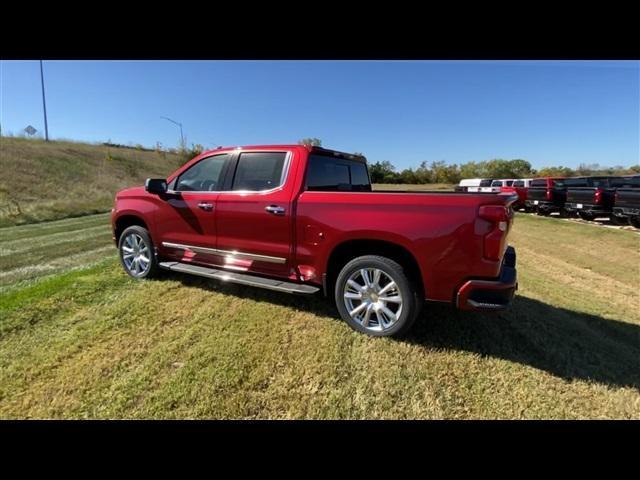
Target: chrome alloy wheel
[135, 254]
[373, 299]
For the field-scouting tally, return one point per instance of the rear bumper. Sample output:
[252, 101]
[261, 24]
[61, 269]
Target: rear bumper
[587, 208]
[624, 211]
[542, 205]
[493, 294]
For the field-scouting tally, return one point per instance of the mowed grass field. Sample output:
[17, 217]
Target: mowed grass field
[80, 339]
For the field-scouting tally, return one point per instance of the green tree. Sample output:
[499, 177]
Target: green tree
[500, 168]
[382, 172]
[555, 172]
[423, 174]
[470, 170]
[316, 142]
[407, 176]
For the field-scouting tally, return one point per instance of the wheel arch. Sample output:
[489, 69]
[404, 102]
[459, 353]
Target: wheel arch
[347, 250]
[127, 220]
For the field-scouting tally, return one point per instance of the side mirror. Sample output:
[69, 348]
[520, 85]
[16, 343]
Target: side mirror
[155, 185]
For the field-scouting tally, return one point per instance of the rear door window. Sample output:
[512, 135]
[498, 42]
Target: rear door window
[542, 182]
[518, 183]
[259, 171]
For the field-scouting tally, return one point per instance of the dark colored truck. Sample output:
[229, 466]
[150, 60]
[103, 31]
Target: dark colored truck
[546, 195]
[302, 219]
[626, 207]
[590, 197]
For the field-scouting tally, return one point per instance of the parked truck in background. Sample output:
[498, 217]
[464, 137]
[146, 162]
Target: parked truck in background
[546, 195]
[626, 207]
[303, 219]
[474, 185]
[520, 188]
[590, 197]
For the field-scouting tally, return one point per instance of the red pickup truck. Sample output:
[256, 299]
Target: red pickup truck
[301, 219]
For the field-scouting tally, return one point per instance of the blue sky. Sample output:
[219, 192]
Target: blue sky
[550, 113]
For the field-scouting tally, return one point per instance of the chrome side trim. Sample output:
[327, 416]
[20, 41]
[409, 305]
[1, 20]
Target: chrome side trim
[232, 254]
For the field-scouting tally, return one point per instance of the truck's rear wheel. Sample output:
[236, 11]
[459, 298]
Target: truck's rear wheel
[635, 221]
[620, 221]
[137, 254]
[375, 296]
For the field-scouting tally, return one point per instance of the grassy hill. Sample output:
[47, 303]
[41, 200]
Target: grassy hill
[59, 179]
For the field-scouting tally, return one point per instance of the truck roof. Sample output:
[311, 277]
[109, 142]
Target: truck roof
[310, 148]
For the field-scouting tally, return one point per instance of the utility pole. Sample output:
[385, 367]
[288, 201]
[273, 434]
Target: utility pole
[182, 145]
[44, 105]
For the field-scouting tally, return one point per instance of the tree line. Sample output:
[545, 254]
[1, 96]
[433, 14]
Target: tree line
[441, 172]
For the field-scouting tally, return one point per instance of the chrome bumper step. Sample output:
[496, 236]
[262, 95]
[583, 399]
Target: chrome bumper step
[240, 278]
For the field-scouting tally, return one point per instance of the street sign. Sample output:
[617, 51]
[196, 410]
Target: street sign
[30, 130]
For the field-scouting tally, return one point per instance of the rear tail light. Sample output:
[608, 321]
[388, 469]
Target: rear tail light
[499, 216]
[598, 196]
[549, 194]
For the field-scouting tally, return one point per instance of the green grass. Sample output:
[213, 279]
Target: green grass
[29, 252]
[59, 179]
[83, 340]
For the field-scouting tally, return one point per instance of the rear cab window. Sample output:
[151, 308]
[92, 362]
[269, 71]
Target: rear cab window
[518, 183]
[576, 182]
[626, 182]
[329, 174]
[540, 182]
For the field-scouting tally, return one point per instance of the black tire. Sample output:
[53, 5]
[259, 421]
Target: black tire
[635, 221]
[543, 212]
[586, 216]
[620, 221]
[412, 299]
[151, 270]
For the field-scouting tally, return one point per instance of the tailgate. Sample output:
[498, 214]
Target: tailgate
[628, 197]
[581, 195]
[537, 193]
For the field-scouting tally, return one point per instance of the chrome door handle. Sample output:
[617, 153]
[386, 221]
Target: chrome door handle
[206, 206]
[275, 209]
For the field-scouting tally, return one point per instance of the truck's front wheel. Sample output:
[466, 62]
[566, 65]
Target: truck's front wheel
[374, 296]
[137, 253]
